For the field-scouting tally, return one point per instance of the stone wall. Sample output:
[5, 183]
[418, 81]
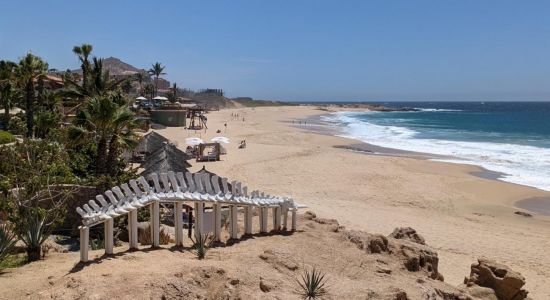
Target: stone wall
[171, 118]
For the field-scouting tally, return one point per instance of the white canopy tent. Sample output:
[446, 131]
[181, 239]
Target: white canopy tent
[193, 141]
[220, 139]
[161, 98]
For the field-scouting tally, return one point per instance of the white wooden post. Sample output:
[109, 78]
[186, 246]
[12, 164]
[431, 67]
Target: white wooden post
[264, 211]
[84, 238]
[108, 235]
[199, 209]
[178, 223]
[134, 241]
[277, 211]
[152, 220]
[234, 221]
[156, 224]
[285, 217]
[248, 219]
[274, 216]
[261, 218]
[217, 222]
[293, 228]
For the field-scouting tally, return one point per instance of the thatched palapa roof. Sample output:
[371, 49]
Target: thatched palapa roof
[151, 142]
[164, 159]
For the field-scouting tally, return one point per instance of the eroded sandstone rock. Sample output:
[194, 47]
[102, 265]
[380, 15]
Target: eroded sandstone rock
[407, 233]
[506, 283]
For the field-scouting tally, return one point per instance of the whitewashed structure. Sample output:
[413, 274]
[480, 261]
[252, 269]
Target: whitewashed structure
[199, 189]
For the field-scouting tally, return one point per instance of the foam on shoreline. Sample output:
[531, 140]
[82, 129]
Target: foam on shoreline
[520, 164]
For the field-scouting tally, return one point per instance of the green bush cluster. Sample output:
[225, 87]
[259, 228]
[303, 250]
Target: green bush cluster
[6, 137]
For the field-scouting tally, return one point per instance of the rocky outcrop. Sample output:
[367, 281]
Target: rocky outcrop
[491, 280]
[407, 233]
[414, 257]
[418, 258]
[371, 243]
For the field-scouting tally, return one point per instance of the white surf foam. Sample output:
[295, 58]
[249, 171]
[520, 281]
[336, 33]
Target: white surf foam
[437, 109]
[521, 164]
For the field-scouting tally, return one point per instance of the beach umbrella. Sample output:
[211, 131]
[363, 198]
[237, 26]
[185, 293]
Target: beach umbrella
[220, 139]
[141, 98]
[193, 141]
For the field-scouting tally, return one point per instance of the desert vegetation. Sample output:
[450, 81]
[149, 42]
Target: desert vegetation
[59, 130]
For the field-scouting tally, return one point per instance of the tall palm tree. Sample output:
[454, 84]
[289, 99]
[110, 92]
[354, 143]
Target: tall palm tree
[149, 90]
[99, 83]
[7, 85]
[31, 69]
[174, 92]
[83, 52]
[139, 78]
[157, 70]
[109, 122]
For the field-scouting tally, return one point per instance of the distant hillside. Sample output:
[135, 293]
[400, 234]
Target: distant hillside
[249, 102]
[116, 66]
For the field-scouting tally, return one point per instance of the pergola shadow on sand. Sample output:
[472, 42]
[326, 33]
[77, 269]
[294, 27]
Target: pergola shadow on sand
[196, 189]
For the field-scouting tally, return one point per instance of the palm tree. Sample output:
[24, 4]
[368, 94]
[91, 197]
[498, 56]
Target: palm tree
[108, 121]
[149, 90]
[157, 70]
[31, 69]
[99, 83]
[174, 92]
[7, 78]
[139, 78]
[83, 52]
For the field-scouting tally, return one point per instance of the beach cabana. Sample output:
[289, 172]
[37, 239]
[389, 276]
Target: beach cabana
[209, 152]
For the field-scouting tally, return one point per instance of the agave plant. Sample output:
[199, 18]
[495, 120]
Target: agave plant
[7, 240]
[201, 244]
[312, 284]
[33, 231]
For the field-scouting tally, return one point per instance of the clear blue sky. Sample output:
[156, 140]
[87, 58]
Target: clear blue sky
[305, 50]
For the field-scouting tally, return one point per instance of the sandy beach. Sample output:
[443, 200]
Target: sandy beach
[461, 215]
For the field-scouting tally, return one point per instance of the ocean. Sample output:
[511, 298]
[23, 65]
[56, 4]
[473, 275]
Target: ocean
[512, 138]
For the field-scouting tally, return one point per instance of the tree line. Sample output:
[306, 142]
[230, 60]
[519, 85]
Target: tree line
[70, 135]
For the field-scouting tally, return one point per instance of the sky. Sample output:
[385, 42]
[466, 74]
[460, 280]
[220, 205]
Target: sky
[305, 50]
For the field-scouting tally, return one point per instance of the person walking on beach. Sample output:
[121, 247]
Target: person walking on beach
[225, 127]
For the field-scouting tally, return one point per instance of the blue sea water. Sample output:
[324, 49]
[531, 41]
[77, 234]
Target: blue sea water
[508, 137]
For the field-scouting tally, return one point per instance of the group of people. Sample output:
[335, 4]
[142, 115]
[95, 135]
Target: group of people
[236, 116]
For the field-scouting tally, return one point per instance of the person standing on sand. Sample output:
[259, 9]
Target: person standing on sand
[225, 124]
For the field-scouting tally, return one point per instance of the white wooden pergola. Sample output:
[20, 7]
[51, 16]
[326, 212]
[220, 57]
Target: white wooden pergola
[197, 189]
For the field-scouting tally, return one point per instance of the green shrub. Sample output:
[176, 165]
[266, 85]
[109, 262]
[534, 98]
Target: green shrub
[312, 284]
[17, 126]
[6, 137]
[7, 241]
[33, 232]
[202, 244]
